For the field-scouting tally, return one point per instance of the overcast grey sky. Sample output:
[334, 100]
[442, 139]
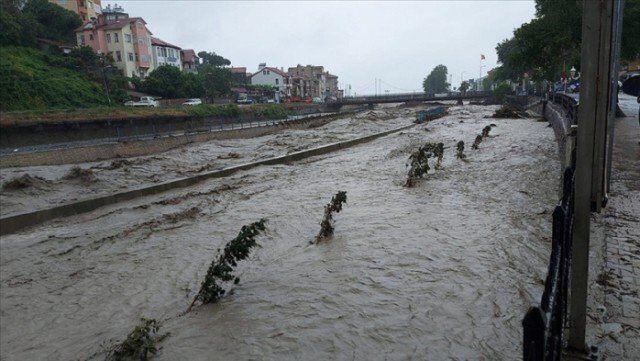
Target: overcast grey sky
[398, 42]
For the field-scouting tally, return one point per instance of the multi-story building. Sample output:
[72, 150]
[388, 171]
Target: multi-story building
[306, 81]
[165, 53]
[126, 39]
[87, 9]
[311, 81]
[331, 86]
[189, 60]
[272, 76]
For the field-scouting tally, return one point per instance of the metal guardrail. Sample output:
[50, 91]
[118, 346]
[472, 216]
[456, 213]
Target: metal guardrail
[544, 324]
[404, 97]
[137, 134]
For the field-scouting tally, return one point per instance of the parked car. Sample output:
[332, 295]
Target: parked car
[143, 102]
[190, 102]
[244, 99]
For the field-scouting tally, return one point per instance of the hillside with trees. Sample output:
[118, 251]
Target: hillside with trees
[35, 75]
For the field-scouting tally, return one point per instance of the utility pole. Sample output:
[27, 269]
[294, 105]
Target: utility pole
[601, 22]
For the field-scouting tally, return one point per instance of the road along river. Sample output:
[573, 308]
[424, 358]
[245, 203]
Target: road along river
[442, 270]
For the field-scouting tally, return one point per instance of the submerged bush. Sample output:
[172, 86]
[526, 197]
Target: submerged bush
[419, 161]
[84, 175]
[326, 226]
[140, 343]
[221, 269]
[477, 141]
[460, 150]
[22, 182]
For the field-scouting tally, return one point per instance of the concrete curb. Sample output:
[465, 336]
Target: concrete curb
[13, 224]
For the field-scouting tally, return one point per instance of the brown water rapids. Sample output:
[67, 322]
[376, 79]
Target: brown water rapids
[444, 270]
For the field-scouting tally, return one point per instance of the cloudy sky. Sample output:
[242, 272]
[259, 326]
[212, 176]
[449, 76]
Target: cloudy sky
[396, 42]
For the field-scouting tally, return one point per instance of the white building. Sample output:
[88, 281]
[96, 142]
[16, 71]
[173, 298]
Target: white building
[271, 76]
[165, 53]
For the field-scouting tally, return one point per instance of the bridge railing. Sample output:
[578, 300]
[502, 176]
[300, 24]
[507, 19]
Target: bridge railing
[414, 95]
[544, 324]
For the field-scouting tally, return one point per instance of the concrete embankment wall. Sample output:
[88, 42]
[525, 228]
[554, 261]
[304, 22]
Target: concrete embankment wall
[561, 124]
[91, 153]
[18, 136]
[18, 222]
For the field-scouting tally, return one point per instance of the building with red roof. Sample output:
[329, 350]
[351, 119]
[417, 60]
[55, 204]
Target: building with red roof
[126, 39]
[165, 53]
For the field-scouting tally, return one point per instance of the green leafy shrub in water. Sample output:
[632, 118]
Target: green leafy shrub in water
[221, 269]
[213, 110]
[477, 141]
[460, 150]
[140, 344]
[419, 161]
[326, 226]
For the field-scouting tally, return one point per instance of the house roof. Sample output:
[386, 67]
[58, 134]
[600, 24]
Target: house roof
[188, 55]
[241, 69]
[275, 70]
[159, 42]
[118, 24]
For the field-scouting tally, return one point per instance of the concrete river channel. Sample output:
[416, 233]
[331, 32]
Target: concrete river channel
[444, 270]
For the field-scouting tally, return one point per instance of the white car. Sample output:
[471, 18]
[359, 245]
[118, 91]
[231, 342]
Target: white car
[143, 102]
[195, 101]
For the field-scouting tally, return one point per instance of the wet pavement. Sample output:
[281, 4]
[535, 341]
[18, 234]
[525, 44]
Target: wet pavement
[444, 270]
[614, 300]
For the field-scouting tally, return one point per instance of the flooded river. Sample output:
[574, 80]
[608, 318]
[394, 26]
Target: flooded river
[444, 270]
[52, 186]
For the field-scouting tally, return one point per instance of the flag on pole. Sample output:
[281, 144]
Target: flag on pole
[482, 57]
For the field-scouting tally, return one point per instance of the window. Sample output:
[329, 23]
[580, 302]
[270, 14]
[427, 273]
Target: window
[115, 38]
[118, 56]
[130, 56]
[264, 72]
[127, 38]
[90, 36]
[277, 81]
[137, 57]
[164, 52]
[108, 38]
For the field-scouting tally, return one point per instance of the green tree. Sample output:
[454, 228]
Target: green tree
[436, 81]
[501, 91]
[216, 81]
[16, 28]
[552, 40]
[54, 22]
[213, 59]
[166, 81]
[192, 85]
[464, 86]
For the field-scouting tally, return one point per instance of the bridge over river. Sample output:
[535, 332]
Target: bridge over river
[412, 97]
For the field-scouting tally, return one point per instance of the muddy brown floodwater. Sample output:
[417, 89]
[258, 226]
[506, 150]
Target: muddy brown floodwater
[444, 270]
[52, 186]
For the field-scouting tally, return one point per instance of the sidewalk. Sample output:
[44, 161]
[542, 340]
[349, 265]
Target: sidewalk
[614, 301]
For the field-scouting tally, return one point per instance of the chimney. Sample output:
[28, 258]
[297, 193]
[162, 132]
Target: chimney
[262, 66]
